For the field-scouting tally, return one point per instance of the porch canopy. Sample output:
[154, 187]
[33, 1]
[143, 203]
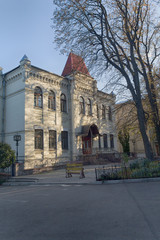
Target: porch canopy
[89, 129]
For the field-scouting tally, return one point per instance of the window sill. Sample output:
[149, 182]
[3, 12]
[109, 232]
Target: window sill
[51, 110]
[53, 150]
[39, 108]
[39, 150]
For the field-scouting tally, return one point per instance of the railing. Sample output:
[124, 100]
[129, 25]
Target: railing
[109, 173]
[98, 150]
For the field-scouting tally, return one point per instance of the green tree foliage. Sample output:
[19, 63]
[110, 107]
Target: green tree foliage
[123, 136]
[7, 155]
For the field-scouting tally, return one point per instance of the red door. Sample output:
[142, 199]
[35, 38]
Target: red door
[86, 145]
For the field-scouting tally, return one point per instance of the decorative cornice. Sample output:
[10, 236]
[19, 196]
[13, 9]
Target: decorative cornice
[48, 79]
[14, 78]
[85, 90]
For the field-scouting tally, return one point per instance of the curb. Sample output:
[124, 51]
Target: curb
[47, 183]
[105, 182]
[138, 180]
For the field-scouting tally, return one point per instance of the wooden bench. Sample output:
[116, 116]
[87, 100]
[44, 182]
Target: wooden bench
[74, 168]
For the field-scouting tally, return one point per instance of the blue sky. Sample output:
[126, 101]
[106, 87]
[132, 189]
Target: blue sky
[25, 28]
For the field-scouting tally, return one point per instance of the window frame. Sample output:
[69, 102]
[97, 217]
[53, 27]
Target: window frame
[38, 139]
[52, 140]
[110, 113]
[82, 105]
[105, 140]
[89, 107]
[51, 100]
[111, 141]
[38, 97]
[97, 111]
[63, 103]
[64, 140]
[103, 112]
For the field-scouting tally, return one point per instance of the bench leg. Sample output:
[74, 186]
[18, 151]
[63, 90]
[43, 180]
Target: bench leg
[68, 175]
[82, 174]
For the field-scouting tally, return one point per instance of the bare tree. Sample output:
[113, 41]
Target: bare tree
[114, 34]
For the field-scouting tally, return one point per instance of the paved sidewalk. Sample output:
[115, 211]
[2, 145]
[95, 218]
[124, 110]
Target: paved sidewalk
[59, 176]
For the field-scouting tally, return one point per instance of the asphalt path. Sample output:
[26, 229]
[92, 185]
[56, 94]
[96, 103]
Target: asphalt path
[80, 212]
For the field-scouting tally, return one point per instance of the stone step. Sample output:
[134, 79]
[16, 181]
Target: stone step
[22, 179]
[14, 181]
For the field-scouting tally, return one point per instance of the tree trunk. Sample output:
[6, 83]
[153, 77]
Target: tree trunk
[157, 130]
[141, 119]
[154, 106]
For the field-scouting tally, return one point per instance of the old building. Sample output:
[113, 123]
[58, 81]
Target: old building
[59, 118]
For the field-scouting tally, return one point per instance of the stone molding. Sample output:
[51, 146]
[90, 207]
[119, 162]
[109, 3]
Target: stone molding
[48, 79]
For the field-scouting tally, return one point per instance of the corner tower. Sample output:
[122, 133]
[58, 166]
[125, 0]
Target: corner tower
[75, 63]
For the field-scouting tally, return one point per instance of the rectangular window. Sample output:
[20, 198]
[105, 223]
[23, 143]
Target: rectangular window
[105, 141]
[64, 139]
[103, 112]
[111, 141]
[52, 139]
[38, 139]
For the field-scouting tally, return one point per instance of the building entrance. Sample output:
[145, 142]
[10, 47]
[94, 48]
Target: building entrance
[87, 140]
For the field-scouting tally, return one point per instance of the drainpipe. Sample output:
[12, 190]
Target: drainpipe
[3, 103]
[71, 87]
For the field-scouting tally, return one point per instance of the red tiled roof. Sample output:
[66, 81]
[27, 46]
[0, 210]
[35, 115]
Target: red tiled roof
[74, 63]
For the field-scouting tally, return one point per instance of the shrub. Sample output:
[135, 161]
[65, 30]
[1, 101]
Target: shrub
[145, 163]
[145, 169]
[134, 165]
[7, 155]
[125, 158]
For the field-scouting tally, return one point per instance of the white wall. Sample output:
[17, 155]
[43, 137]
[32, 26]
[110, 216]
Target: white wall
[14, 109]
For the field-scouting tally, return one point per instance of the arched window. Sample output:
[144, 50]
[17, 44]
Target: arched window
[82, 106]
[89, 107]
[51, 100]
[63, 103]
[38, 97]
[110, 113]
[97, 111]
[103, 112]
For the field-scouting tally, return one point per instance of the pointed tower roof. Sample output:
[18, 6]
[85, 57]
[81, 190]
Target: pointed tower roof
[74, 63]
[24, 58]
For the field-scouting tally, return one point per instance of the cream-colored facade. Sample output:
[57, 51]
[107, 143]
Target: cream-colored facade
[21, 115]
